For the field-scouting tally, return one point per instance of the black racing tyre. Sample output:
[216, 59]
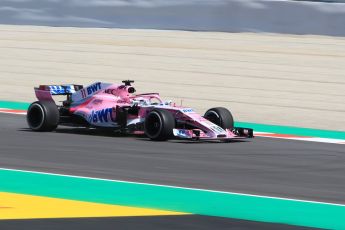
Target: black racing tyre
[221, 117]
[159, 125]
[43, 116]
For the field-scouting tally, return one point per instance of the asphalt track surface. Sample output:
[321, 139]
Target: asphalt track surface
[143, 223]
[262, 166]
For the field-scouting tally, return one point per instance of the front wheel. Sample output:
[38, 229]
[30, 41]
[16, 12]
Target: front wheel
[221, 117]
[159, 125]
[43, 116]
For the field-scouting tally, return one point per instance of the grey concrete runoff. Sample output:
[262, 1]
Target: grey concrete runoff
[260, 166]
[272, 16]
[263, 78]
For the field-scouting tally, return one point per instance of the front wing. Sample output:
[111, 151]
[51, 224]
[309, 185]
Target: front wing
[197, 134]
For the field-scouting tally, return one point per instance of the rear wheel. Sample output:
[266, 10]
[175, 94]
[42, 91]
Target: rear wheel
[159, 125]
[221, 117]
[43, 116]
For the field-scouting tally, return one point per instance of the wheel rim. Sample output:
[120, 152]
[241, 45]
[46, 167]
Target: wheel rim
[35, 116]
[213, 117]
[154, 125]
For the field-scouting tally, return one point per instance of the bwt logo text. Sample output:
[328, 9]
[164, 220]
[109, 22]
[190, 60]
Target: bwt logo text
[104, 115]
[93, 88]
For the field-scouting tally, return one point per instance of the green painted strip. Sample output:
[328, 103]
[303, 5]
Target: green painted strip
[14, 105]
[177, 199]
[293, 130]
[257, 127]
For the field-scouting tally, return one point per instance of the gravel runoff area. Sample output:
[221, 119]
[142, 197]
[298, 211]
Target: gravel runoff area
[265, 78]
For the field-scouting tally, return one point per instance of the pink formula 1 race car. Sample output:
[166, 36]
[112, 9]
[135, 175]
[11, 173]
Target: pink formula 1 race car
[116, 107]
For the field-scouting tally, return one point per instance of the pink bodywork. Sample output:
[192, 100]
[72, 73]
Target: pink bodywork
[97, 104]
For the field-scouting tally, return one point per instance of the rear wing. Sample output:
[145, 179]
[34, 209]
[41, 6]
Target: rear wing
[45, 92]
[60, 89]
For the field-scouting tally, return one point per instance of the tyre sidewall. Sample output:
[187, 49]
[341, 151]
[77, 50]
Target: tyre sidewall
[226, 120]
[49, 116]
[157, 115]
[167, 124]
